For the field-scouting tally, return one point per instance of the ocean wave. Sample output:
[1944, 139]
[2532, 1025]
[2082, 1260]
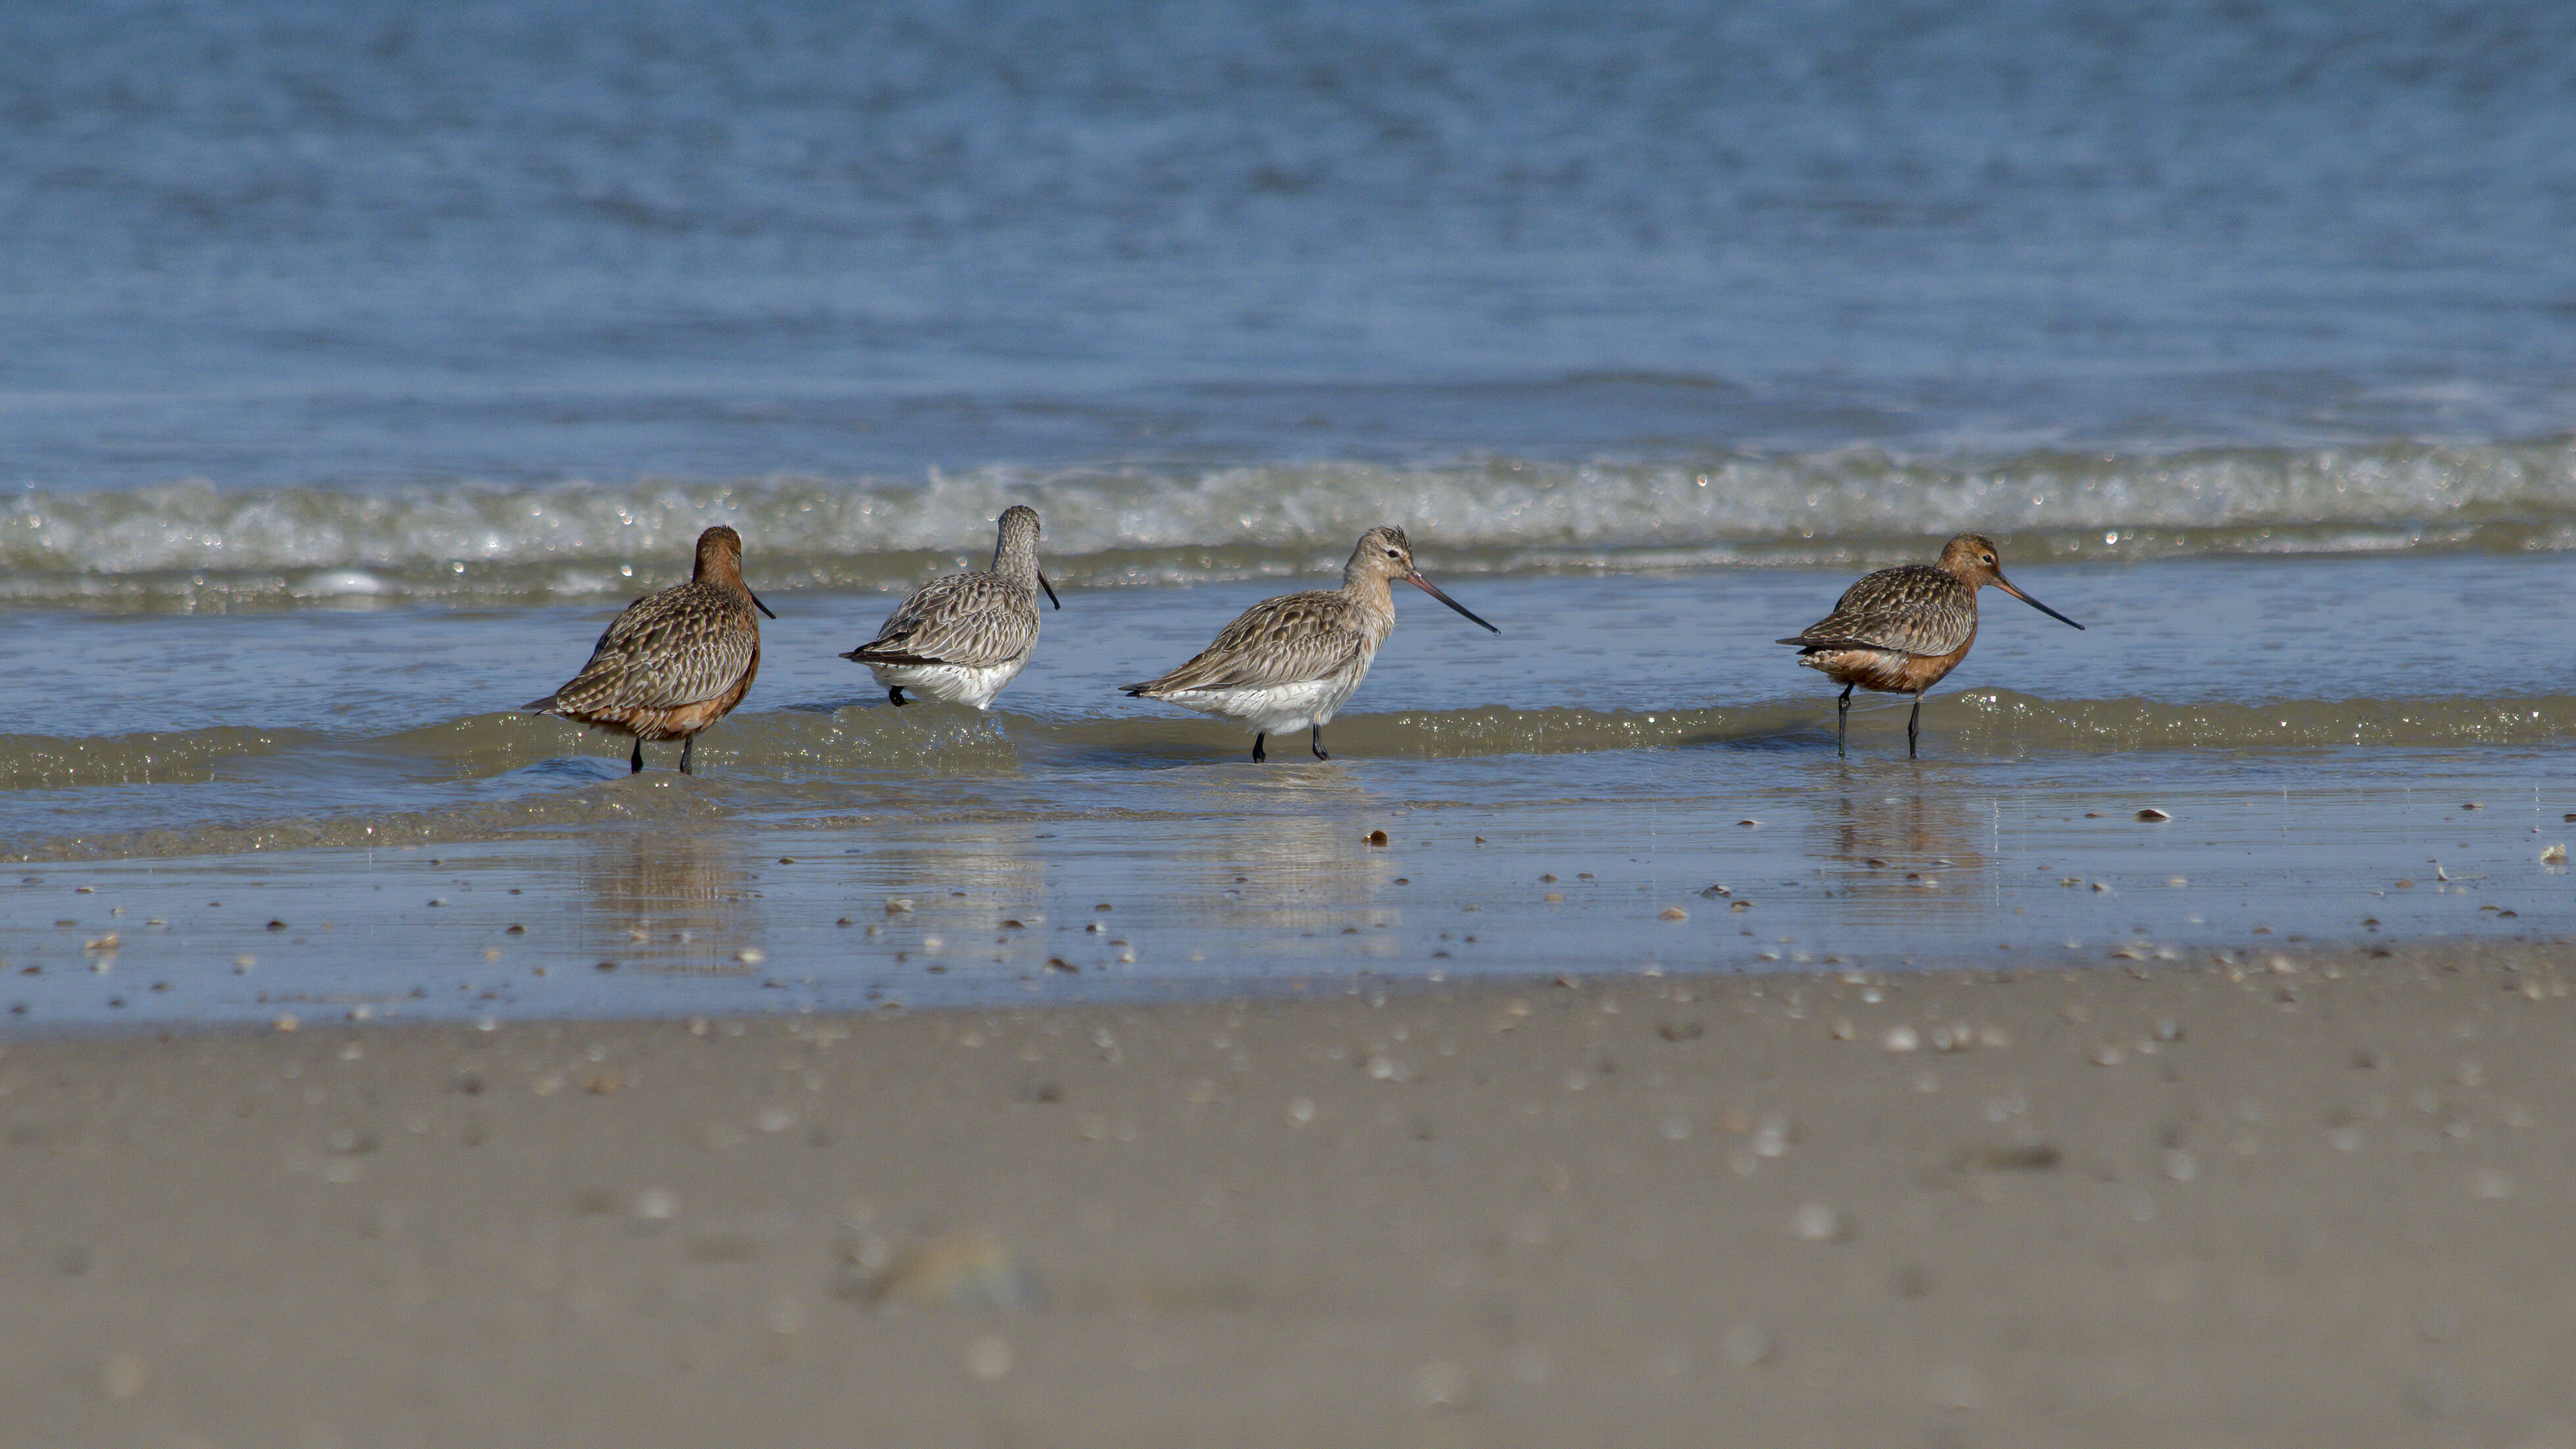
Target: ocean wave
[196, 545]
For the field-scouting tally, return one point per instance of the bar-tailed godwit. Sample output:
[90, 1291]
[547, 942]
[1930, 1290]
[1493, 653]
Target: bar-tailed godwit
[1899, 630]
[674, 662]
[1288, 663]
[959, 639]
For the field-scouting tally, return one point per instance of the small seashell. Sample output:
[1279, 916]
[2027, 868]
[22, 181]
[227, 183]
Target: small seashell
[1375, 837]
[2554, 855]
[2153, 815]
[1672, 913]
[1818, 1223]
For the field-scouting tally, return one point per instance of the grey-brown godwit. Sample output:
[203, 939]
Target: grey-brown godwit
[1290, 662]
[1899, 630]
[959, 639]
[674, 662]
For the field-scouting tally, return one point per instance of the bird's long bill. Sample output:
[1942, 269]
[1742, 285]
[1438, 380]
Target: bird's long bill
[757, 604]
[2036, 604]
[1050, 589]
[1419, 582]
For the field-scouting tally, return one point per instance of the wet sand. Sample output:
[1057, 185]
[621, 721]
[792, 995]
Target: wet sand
[2310, 1201]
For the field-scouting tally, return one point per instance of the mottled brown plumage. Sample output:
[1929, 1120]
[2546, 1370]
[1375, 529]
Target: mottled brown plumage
[674, 662]
[1290, 662]
[960, 639]
[1901, 630]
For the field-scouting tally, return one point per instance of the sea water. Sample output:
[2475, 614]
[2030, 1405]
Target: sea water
[361, 360]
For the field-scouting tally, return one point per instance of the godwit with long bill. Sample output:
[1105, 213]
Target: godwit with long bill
[1289, 663]
[674, 662]
[1899, 630]
[959, 639]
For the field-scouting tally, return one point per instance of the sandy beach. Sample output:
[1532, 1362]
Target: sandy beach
[2291, 1200]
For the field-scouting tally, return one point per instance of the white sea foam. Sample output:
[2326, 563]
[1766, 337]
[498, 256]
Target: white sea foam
[1143, 525]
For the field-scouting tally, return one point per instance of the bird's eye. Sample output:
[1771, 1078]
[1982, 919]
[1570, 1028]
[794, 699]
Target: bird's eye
[1990, 558]
[1391, 553]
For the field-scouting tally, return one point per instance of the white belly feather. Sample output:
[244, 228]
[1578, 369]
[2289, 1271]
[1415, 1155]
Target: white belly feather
[1275, 709]
[951, 683]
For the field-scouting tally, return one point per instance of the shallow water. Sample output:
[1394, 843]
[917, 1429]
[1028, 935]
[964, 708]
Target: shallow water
[358, 362]
[2315, 741]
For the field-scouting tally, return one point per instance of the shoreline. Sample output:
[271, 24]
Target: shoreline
[2312, 1205]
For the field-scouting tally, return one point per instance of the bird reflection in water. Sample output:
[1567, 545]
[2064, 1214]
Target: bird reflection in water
[1921, 848]
[676, 901]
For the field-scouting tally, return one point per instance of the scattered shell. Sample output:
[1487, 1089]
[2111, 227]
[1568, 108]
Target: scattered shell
[1746, 1344]
[1375, 837]
[1901, 1039]
[1672, 913]
[122, 1376]
[989, 1357]
[751, 955]
[1819, 1223]
[964, 1268]
[2554, 855]
[1439, 1386]
[2153, 815]
[898, 905]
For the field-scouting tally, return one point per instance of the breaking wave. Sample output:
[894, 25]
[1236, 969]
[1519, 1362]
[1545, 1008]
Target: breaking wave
[193, 545]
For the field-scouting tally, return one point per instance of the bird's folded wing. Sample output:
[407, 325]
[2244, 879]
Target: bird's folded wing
[1914, 609]
[967, 619]
[660, 658]
[1288, 640]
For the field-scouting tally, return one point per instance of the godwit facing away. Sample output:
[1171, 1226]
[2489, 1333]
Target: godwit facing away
[958, 640]
[1899, 630]
[675, 662]
[1290, 662]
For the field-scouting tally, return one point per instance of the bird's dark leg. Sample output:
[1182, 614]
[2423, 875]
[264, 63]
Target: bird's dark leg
[895, 696]
[635, 762]
[1319, 744]
[1842, 718]
[686, 746]
[1913, 724]
[1259, 754]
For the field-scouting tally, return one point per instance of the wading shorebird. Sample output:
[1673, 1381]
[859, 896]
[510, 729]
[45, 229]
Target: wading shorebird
[675, 662]
[1899, 630]
[1288, 663]
[959, 639]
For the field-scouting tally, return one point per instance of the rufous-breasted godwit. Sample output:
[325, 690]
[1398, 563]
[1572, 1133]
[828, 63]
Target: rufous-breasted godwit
[674, 662]
[1899, 630]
